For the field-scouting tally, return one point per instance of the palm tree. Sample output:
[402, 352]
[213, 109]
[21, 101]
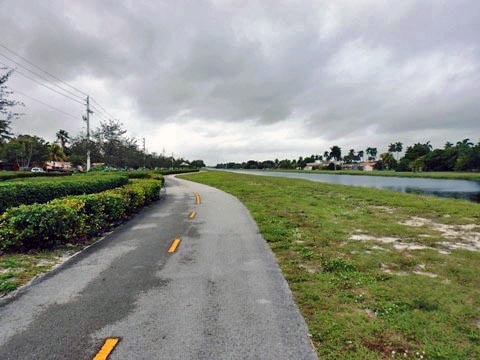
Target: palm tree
[56, 153]
[63, 137]
[396, 147]
[387, 159]
[361, 154]
[372, 153]
[465, 142]
[336, 154]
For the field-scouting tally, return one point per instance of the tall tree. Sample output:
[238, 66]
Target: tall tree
[398, 148]
[372, 153]
[395, 148]
[56, 153]
[63, 138]
[388, 160]
[336, 154]
[6, 105]
[26, 150]
[360, 155]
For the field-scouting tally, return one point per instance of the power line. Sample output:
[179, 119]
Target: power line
[44, 103]
[44, 71]
[100, 115]
[40, 76]
[99, 111]
[100, 107]
[42, 84]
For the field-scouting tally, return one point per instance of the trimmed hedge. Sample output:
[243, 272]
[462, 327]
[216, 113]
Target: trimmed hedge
[176, 171]
[26, 192]
[9, 175]
[73, 219]
[136, 174]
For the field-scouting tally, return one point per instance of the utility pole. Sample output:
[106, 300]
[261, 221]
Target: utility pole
[172, 160]
[144, 154]
[87, 119]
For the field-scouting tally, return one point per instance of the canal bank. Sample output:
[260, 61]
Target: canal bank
[445, 188]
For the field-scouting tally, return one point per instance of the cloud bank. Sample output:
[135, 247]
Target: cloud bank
[234, 80]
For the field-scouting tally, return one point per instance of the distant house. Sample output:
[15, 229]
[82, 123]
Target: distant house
[58, 166]
[352, 166]
[317, 165]
[367, 165]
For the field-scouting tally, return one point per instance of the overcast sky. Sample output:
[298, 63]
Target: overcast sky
[238, 80]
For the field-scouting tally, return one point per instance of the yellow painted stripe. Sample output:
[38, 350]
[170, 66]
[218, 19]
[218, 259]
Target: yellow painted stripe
[174, 245]
[197, 197]
[107, 348]
[192, 215]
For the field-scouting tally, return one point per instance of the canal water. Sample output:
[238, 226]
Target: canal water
[458, 189]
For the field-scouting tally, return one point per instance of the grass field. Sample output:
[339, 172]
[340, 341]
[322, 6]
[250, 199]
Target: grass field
[431, 175]
[376, 274]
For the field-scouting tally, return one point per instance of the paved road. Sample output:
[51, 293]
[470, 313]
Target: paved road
[220, 295]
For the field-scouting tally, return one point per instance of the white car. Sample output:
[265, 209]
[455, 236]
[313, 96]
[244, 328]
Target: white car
[37, 169]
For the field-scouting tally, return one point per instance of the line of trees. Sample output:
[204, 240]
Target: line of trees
[462, 156]
[109, 144]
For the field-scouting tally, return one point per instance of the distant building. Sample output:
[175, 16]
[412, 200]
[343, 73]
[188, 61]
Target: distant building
[317, 165]
[58, 166]
[367, 165]
[352, 166]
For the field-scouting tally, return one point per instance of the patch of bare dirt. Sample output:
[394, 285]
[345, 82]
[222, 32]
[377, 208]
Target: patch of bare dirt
[386, 209]
[456, 236]
[397, 243]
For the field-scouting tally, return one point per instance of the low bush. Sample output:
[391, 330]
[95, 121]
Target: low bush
[176, 171]
[74, 218]
[10, 175]
[26, 192]
[136, 174]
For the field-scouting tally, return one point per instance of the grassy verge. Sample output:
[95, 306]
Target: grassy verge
[430, 175]
[376, 274]
[18, 268]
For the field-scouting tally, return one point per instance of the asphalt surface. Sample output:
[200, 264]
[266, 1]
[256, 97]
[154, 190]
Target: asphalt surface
[220, 295]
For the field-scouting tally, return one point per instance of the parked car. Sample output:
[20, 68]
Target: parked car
[37, 169]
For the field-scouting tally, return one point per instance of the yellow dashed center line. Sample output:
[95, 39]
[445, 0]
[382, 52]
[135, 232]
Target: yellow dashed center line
[192, 215]
[106, 349]
[197, 197]
[174, 245]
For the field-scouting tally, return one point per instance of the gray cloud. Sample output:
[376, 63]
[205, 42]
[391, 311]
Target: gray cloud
[356, 73]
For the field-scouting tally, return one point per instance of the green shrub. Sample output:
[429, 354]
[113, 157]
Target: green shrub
[135, 174]
[41, 226]
[43, 190]
[175, 171]
[74, 218]
[10, 175]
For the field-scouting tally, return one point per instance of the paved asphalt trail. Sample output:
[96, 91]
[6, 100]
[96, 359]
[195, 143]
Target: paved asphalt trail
[221, 295]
